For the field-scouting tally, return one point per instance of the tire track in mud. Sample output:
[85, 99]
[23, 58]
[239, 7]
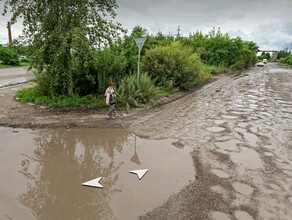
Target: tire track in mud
[240, 129]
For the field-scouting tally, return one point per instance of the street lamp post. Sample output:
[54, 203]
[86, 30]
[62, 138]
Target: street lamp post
[140, 42]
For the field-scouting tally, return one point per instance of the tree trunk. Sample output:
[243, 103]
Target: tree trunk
[69, 86]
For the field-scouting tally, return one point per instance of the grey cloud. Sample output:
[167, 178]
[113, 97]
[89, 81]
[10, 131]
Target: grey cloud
[287, 28]
[268, 22]
[263, 21]
[270, 36]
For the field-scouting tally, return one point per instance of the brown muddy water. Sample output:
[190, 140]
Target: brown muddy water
[42, 172]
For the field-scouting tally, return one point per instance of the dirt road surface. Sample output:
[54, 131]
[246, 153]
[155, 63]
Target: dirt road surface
[240, 130]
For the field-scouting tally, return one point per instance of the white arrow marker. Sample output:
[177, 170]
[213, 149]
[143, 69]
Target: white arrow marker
[93, 183]
[140, 173]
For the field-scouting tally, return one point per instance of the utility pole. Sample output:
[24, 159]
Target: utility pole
[178, 31]
[9, 32]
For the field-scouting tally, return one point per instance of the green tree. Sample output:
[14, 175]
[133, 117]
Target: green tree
[59, 30]
[282, 54]
[138, 31]
[251, 46]
[9, 55]
[265, 55]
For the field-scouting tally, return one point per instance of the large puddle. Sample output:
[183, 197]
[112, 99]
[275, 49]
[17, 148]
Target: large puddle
[42, 172]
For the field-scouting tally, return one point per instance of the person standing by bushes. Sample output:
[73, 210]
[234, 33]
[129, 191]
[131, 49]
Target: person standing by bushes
[110, 94]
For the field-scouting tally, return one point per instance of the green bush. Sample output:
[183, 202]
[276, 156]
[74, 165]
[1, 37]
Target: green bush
[246, 59]
[283, 54]
[287, 60]
[238, 65]
[174, 63]
[9, 56]
[137, 93]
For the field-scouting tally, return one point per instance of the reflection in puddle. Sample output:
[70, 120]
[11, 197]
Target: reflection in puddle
[219, 122]
[229, 116]
[247, 158]
[215, 129]
[242, 188]
[241, 215]
[242, 124]
[268, 154]
[251, 138]
[275, 187]
[220, 173]
[44, 170]
[228, 145]
[288, 172]
[219, 216]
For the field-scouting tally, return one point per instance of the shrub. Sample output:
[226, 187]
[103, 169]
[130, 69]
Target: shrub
[174, 63]
[246, 59]
[137, 93]
[238, 65]
[287, 60]
[9, 56]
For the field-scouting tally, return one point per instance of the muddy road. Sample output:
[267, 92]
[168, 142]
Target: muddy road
[221, 152]
[240, 128]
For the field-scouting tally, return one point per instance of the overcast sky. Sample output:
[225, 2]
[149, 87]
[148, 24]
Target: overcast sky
[267, 22]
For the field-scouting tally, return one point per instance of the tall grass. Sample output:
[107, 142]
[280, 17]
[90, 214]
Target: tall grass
[137, 93]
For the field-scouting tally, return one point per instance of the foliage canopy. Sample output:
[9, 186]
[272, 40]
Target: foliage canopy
[59, 32]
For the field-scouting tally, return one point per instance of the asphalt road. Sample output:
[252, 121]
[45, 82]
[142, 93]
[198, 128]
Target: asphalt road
[13, 75]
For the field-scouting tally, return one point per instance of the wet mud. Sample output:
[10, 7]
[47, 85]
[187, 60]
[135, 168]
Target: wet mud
[240, 128]
[234, 134]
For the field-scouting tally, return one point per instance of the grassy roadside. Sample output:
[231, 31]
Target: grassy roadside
[8, 66]
[285, 64]
[33, 95]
